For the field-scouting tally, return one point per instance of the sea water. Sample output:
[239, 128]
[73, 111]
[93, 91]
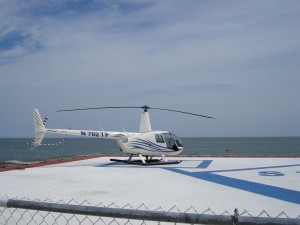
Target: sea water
[18, 148]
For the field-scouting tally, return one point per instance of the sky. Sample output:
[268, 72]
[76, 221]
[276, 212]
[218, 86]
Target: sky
[238, 61]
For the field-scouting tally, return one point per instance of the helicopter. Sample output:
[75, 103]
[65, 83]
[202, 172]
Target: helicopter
[145, 144]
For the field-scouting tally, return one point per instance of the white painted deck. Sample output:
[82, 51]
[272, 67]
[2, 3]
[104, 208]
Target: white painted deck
[254, 184]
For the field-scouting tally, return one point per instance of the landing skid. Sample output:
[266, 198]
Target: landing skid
[149, 162]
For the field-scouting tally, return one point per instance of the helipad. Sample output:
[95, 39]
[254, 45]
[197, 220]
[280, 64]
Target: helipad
[252, 184]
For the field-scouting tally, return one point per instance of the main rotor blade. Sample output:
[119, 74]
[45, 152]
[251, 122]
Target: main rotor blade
[112, 107]
[194, 114]
[145, 107]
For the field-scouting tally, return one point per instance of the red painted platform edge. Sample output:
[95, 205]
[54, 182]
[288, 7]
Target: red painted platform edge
[46, 163]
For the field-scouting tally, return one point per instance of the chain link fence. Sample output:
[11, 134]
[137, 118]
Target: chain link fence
[21, 211]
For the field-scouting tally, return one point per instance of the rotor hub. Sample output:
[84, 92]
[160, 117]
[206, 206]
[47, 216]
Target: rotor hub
[145, 107]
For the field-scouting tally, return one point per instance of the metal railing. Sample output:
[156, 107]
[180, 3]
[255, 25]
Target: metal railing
[15, 211]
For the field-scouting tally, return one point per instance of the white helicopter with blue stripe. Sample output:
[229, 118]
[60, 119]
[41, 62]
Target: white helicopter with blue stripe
[145, 144]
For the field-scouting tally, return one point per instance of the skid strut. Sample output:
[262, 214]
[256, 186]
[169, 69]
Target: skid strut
[146, 162]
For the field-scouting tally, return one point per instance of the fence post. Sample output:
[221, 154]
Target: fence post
[3, 203]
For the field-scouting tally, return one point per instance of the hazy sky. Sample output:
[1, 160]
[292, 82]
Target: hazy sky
[238, 61]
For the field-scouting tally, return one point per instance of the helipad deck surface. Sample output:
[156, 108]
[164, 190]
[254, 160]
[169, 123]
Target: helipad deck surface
[252, 184]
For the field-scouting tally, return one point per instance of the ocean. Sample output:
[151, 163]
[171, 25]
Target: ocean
[17, 148]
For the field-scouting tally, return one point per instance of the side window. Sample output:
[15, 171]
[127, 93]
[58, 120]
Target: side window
[159, 138]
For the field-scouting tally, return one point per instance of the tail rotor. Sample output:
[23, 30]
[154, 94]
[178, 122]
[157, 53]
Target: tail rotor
[39, 126]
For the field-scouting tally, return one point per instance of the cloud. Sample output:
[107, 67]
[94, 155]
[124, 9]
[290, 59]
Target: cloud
[234, 60]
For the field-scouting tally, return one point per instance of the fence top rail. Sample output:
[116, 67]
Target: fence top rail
[149, 215]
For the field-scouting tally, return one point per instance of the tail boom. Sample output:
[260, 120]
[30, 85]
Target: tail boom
[92, 133]
[40, 131]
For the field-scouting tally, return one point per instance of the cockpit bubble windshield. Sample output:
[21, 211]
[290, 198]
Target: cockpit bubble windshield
[172, 141]
[177, 140]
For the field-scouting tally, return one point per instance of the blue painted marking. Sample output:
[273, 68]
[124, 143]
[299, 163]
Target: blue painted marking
[257, 188]
[270, 173]
[211, 176]
[255, 168]
[204, 164]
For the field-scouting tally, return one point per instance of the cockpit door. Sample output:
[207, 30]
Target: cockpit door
[172, 141]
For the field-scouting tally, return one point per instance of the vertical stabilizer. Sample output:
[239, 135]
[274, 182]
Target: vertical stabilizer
[145, 125]
[39, 128]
